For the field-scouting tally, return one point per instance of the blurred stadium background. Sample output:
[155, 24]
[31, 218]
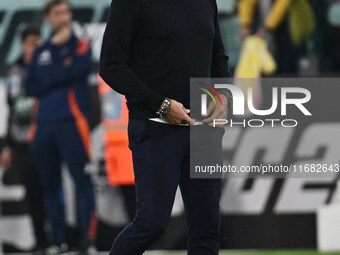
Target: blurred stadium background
[260, 214]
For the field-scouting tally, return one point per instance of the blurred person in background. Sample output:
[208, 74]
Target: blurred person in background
[328, 36]
[270, 16]
[118, 157]
[16, 154]
[58, 77]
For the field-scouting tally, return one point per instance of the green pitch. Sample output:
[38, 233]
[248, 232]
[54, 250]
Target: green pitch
[273, 252]
[300, 252]
[269, 252]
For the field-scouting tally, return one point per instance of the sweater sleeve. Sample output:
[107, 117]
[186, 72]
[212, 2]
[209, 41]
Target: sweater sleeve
[116, 54]
[220, 66]
[246, 9]
[277, 13]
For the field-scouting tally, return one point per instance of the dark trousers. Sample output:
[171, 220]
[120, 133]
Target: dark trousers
[23, 165]
[53, 144]
[129, 194]
[161, 163]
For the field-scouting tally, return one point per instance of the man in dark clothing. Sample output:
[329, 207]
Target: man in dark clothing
[21, 118]
[58, 77]
[150, 51]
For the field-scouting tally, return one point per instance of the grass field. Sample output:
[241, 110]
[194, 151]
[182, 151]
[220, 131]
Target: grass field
[285, 252]
[250, 252]
[300, 252]
[273, 252]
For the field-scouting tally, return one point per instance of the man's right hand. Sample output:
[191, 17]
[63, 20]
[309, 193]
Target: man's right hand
[178, 114]
[62, 36]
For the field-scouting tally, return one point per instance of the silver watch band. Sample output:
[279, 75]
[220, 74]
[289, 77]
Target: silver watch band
[165, 109]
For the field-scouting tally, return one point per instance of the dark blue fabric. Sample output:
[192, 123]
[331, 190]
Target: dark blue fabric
[50, 79]
[53, 144]
[161, 163]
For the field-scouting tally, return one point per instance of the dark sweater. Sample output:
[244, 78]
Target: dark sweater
[151, 49]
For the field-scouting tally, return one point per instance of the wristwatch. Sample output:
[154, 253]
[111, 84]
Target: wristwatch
[165, 109]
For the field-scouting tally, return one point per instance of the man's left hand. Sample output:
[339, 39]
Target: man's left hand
[216, 112]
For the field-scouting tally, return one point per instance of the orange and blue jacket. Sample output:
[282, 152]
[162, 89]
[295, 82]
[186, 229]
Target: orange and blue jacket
[58, 77]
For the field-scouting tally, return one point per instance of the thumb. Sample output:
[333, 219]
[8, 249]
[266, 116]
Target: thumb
[185, 109]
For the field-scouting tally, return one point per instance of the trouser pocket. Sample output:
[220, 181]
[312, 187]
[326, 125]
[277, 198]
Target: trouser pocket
[137, 132]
